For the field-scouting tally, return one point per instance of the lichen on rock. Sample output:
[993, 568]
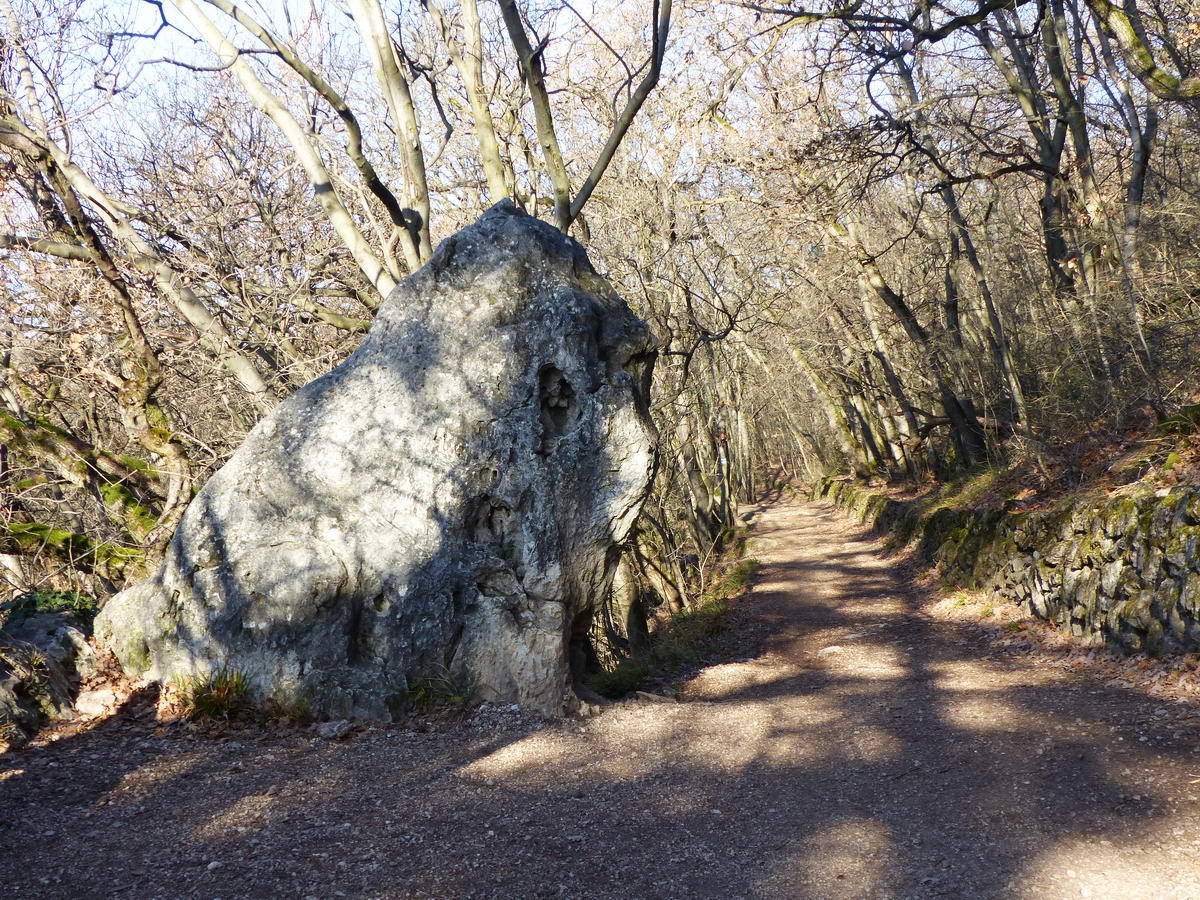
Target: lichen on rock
[447, 501]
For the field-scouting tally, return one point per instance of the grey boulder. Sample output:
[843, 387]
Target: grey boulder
[43, 657]
[446, 504]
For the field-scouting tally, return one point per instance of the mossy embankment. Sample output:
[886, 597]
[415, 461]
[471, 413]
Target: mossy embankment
[1121, 571]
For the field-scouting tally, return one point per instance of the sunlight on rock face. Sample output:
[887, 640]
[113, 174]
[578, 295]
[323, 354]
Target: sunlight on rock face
[444, 503]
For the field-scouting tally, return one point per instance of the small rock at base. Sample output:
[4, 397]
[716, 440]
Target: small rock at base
[334, 731]
[95, 703]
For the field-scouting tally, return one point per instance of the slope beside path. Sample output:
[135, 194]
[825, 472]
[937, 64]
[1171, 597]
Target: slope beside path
[853, 744]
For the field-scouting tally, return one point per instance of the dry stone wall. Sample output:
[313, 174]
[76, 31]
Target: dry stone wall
[1123, 572]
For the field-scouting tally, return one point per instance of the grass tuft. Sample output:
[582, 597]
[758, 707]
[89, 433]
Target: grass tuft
[429, 692]
[223, 695]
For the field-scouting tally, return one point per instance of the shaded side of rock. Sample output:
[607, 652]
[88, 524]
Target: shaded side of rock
[445, 504]
[43, 657]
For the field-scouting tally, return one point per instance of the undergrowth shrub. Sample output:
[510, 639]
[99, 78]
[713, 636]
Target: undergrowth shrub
[80, 605]
[441, 689]
[10, 732]
[625, 678]
[681, 640]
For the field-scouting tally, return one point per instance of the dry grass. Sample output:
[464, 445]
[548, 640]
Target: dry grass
[222, 696]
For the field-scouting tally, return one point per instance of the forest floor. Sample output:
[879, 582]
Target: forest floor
[859, 736]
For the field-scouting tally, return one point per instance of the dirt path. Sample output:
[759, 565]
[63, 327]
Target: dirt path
[865, 749]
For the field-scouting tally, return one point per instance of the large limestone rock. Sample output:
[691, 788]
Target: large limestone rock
[447, 501]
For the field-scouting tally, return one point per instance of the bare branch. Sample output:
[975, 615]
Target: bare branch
[319, 176]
